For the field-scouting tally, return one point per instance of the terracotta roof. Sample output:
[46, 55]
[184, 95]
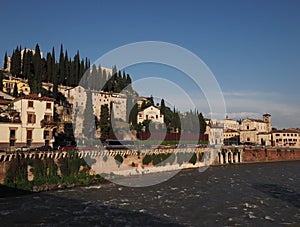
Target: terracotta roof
[35, 97]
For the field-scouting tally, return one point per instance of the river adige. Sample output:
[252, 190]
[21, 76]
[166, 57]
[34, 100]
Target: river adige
[262, 194]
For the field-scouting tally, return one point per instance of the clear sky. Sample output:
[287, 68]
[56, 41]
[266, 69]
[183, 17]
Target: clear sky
[252, 47]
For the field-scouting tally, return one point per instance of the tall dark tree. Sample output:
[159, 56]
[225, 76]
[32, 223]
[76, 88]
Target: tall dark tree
[88, 117]
[15, 92]
[54, 75]
[162, 107]
[104, 121]
[202, 124]
[1, 80]
[36, 83]
[5, 64]
[67, 69]
[27, 64]
[49, 67]
[15, 68]
[61, 71]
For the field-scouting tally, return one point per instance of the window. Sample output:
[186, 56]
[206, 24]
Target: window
[156, 116]
[12, 134]
[30, 104]
[29, 137]
[277, 134]
[288, 134]
[284, 134]
[29, 134]
[31, 118]
[247, 127]
[47, 118]
[48, 105]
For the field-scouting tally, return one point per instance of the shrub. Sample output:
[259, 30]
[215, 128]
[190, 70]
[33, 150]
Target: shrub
[193, 159]
[119, 159]
[147, 159]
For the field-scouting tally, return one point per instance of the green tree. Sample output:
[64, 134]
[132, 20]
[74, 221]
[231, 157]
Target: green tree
[202, 124]
[1, 80]
[15, 92]
[16, 62]
[104, 121]
[5, 61]
[61, 71]
[54, 75]
[162, 107]
[89, 119]
[36, 80]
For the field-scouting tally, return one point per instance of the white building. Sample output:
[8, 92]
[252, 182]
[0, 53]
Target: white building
[215, 131]
[151, 113]
[255, 131]
[30, 122]
[77, 97]
[286, 138]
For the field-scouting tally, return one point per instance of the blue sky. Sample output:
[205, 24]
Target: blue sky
[252, 47]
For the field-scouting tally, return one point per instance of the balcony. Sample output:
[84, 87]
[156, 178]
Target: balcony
[10, 116]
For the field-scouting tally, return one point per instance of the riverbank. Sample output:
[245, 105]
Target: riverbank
[77, 169]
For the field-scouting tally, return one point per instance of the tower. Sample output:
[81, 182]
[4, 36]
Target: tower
[267, 120]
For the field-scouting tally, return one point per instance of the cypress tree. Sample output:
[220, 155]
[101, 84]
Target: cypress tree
[104, 121]
[202, 124]
[1, 80]
[49, 67]
[37, 78]
[61, 72]
[15, 92]
[54, 75]
[67, 69]
[88, 120]
[5, 61]
[162, 107]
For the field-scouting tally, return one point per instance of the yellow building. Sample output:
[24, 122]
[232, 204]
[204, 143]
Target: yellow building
[8, 85]
[231, 137]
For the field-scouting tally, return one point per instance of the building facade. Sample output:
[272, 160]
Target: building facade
[286, 138]
[29, 122]
[151, 113]
[253, 131]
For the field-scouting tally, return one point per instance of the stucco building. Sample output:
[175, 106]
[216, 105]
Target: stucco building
[256, 131]
[151, 113]
[286, 138]
[29, 122]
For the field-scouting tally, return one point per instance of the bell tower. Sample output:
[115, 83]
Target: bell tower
[267, 119]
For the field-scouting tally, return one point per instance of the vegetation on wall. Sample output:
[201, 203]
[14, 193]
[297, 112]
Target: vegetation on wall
[66, 171]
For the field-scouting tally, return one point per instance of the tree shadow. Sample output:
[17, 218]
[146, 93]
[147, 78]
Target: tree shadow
[280, 192]
[6, 191]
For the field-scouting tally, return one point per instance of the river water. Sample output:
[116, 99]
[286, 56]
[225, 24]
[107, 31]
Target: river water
[264, 194]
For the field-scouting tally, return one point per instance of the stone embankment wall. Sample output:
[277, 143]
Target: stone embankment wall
[104, 162]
